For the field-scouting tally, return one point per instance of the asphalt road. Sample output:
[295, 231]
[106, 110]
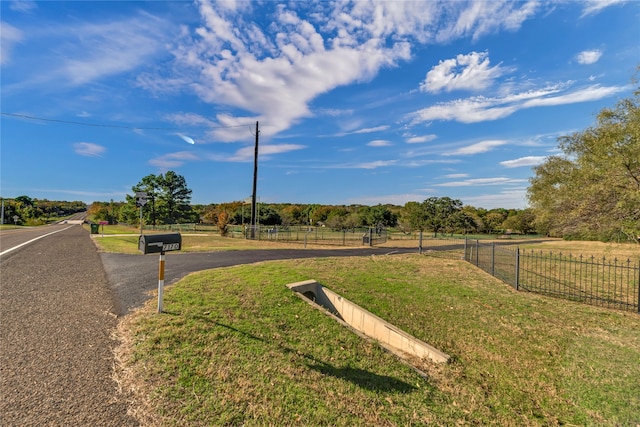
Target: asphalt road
[56, 317]
[133, 277]
[59, 302]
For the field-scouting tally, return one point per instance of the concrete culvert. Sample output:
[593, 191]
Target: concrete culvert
[362, 321]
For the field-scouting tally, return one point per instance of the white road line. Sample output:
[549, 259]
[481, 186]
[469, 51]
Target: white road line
[31, 241]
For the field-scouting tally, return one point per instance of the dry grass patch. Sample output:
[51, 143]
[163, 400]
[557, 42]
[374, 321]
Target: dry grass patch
[621, 251]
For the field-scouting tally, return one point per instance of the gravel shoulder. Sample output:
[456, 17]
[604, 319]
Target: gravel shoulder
[56, 350]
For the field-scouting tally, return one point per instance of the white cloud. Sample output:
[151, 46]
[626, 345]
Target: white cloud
[420, 139]
[247, 153]
[456, 175]
[593, 7]
[173, 160]
[481, 182]
[294, 60]
[464, 72]
[480, 108]
[484, 17]
[392, 199]
[89, 149]
[112, 48]
[379, 143]
[24, 6]
[477, 148]
[9, 36]
[376, 164]
[88, 52]
[371, 130]
[510, 198]
[589, 56]
[364, 130]
[523, 161]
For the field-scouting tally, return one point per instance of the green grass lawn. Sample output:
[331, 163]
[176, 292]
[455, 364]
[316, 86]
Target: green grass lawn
[236, 347]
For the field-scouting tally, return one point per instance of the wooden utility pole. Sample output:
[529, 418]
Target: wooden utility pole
[255, 184]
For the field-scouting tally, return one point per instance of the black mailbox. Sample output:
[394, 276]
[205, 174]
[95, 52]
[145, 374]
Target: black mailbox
[157, 243]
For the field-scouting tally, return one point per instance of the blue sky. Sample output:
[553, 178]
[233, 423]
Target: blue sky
[361, 102]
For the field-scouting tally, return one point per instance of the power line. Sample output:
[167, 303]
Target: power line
[70, 122]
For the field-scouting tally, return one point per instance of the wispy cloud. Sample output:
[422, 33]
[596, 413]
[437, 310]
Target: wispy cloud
[477, 148]
[523, 161]
[89, 149]
[516, 197]
[173, 160]
[481, 182]
[364, 130]
[480, 108]
[88, 52]
[456, 175]
[464, 72]
[247, 153]
[379, 143]
[9, 36]
[420, 139]
[24, 6]
[593, 7]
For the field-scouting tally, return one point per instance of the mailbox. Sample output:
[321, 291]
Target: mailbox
[158, 243]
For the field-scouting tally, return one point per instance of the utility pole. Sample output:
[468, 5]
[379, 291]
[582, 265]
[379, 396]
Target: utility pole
[255, 183]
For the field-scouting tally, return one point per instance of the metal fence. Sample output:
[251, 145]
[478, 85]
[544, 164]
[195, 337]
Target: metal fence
[611, 283]
[312, 235]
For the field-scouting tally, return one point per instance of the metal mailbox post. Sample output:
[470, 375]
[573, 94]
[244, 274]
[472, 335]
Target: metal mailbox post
[160, 243]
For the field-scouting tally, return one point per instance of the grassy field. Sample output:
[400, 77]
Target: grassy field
[236, 347]
[621, 251]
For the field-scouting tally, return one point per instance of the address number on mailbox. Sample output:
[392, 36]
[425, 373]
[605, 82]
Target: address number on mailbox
[157, 243]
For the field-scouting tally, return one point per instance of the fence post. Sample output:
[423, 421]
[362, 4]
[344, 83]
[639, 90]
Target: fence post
[420, 243]
[493, 259]
[477, 252]
[517, 268]
[638, 286]
[465, 248]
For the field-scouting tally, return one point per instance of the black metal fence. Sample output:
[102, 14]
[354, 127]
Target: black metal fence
[367, 236]
[611, 283]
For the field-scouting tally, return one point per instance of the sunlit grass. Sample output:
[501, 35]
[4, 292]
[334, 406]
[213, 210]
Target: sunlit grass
[236, 347]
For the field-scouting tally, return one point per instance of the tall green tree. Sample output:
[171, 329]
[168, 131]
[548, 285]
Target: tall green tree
[175, 197]
[436, 214]
[592, 190]
[168, 200]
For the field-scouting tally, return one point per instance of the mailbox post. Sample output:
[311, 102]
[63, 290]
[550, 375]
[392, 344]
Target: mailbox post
[160, 243]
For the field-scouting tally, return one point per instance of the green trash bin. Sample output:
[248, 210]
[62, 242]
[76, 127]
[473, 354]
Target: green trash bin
[95, 228]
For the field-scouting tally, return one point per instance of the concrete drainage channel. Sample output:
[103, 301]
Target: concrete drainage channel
[368, 324]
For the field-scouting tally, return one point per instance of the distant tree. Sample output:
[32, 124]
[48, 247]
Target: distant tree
[436, 214]
[268, 215]
[168, 199]
[521, 221]
[291, 214]
[378, 215]
[25, 200]
[176, 197]
[222, 222]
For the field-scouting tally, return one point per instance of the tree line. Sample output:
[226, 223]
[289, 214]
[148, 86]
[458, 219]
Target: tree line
[23, 210]
[168, 202]
[591, 191]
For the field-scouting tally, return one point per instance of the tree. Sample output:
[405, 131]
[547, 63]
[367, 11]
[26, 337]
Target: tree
[436, 214]
[592, 190]
[168, 199]
[175, 196]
